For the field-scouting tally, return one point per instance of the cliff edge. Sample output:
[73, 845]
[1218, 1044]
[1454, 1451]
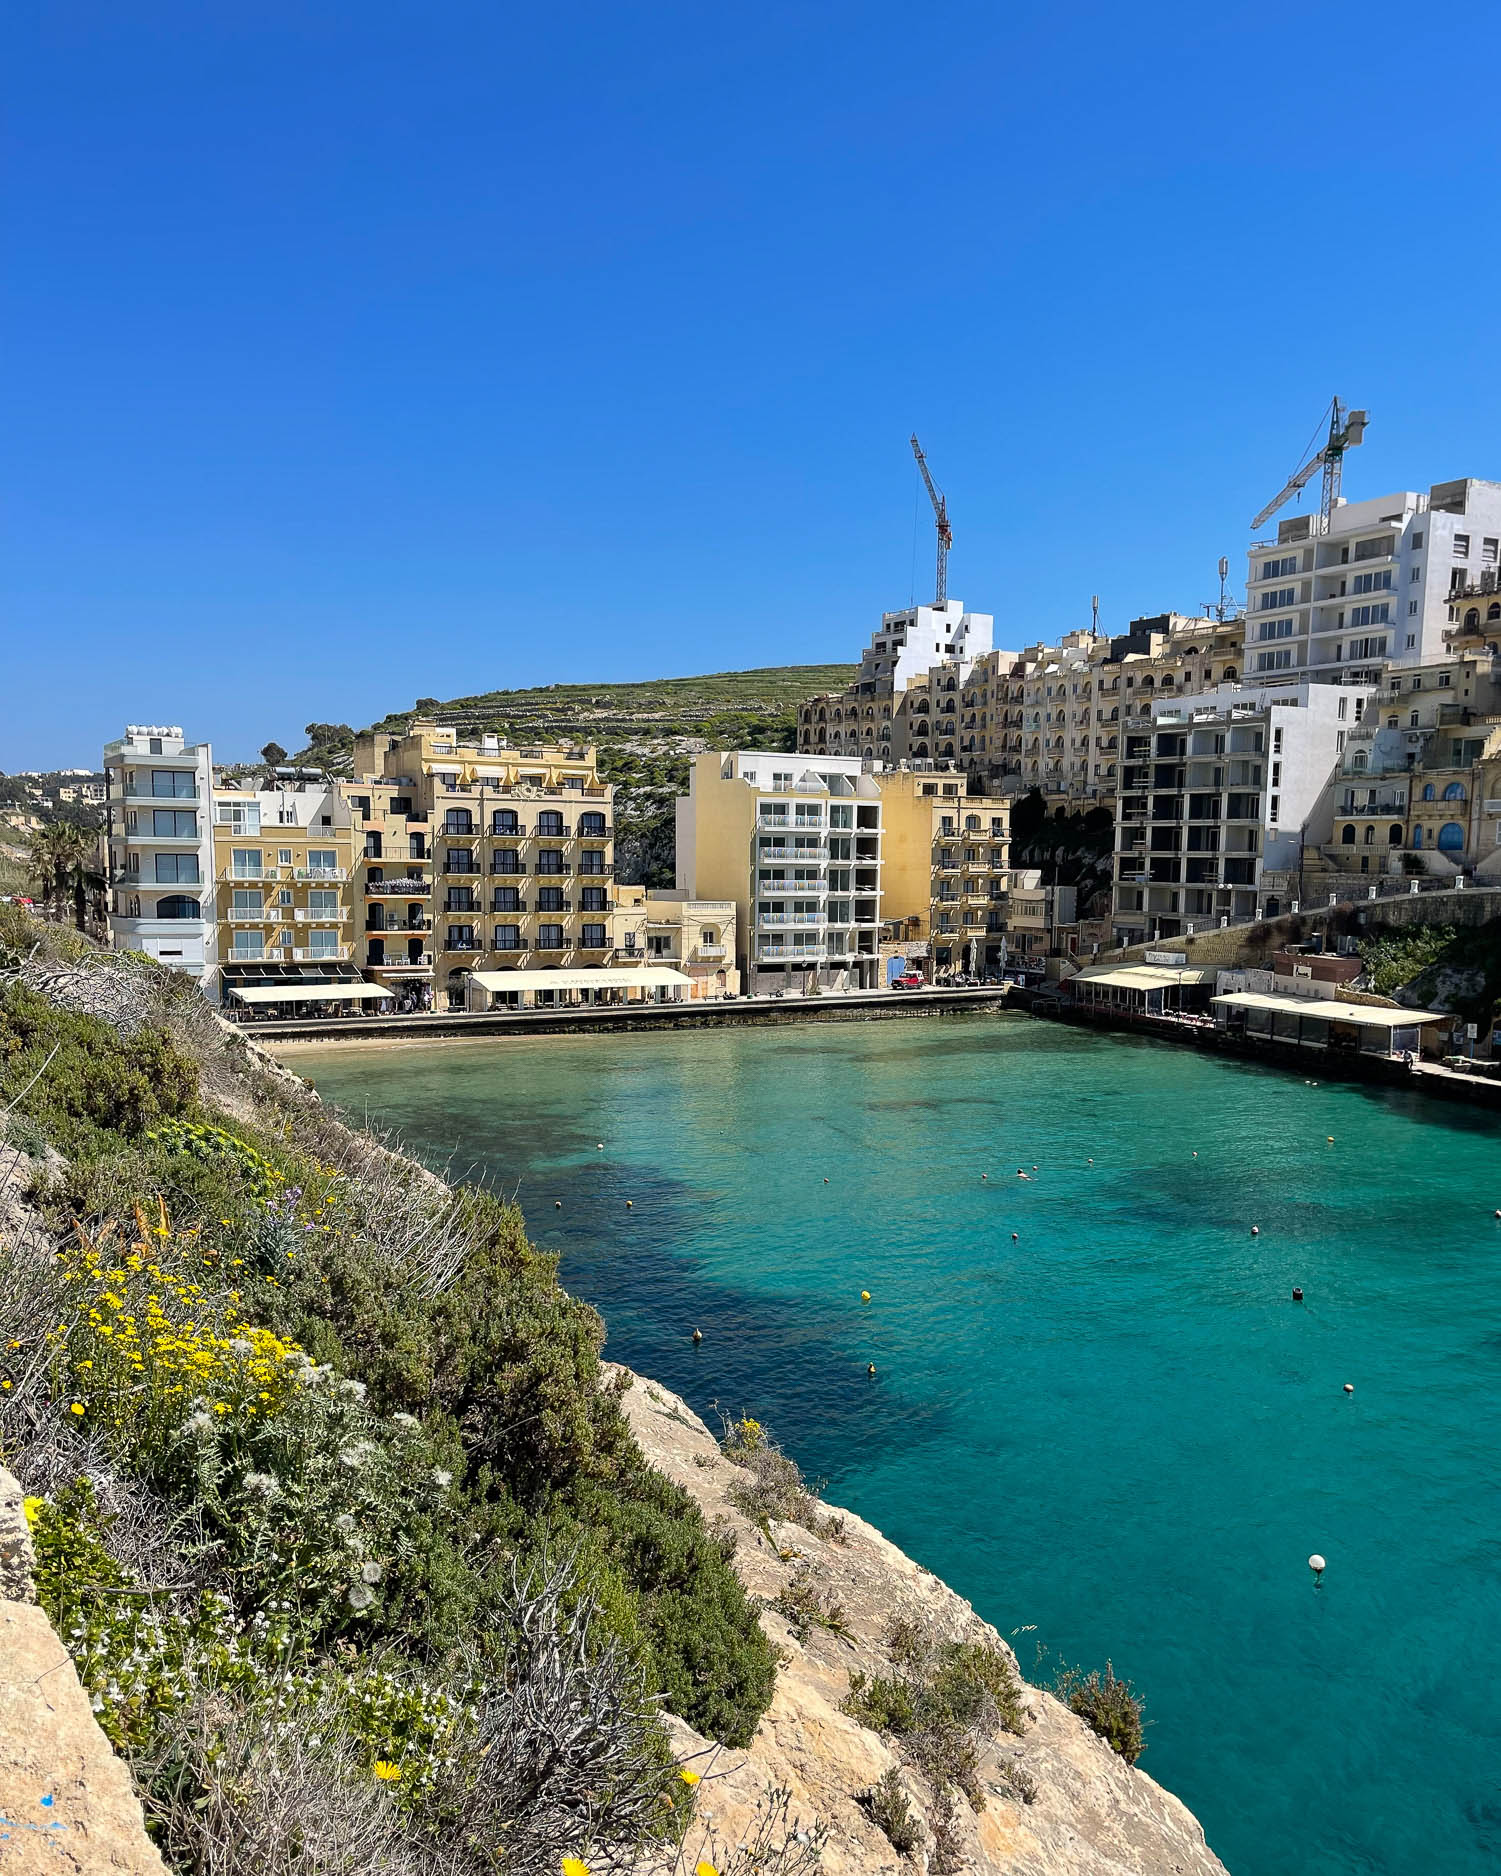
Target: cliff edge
[1057, 1801]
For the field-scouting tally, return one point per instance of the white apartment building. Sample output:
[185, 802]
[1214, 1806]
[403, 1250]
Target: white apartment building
[794, 843]
[1213, 798]
[909, 643]
[1374, 590]
[159, 846]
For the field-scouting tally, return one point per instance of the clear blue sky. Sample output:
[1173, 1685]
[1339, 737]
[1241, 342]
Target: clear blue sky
[358, 353]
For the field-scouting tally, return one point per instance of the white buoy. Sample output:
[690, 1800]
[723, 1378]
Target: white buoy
[1316, 1564]
[1349, 1387]
[600, 1145]
[1256, 1231]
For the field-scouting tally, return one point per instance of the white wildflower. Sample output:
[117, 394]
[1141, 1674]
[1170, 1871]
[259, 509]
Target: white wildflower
[405, 1420]
[344, 1523]
[441, 1478]
[262, 1482]
[354, 1389]
[370, 1572]
[360, 1597]
[198, 1422]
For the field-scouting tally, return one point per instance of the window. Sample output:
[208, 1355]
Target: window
[1275, 628]
[1414, 574]
[594, 937]
[174, 824]
[503, 821]
[506, 899]
[323, 941]
[550, 821]
[1369, 615]
[550, 860]
[284, 856]
[372, 847]
[416, 847]
[323, 902]
[1373, 550]
[1368, 647]
[154, 745]
[1347, 836]
[1274, 660]
[1372, 582]
[175, 784]
[458, 821]
[1277, 740]
[461, 938]
[549, 937]
[178, 869]
[1412, 723]
[1417, 540]
[1451, 838]
[284, 896]
[248, 944]
[244, 863]
[1461, 547]
[1275, 810]
[246, 899]
[550, 899]
[592, 899]
[1445, 679]
[178, 905]
[507, 937]
[1283, 596]
[505, 860]
[1488, 551]
[322, 860]
[1454, 792]
[592, 826]
[1274, 569]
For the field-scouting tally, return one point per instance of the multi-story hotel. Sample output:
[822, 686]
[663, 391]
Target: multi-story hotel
[513, 848]
[159, 851]
[795, 846]
[1375, 589]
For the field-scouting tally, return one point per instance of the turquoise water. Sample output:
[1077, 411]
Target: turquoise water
[1118, 1436]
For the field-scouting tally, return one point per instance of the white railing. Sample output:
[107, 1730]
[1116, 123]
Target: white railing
[791, 918]
[306, 915]
[267, 915]
[331, 873]
[333, 954]
[709, 951]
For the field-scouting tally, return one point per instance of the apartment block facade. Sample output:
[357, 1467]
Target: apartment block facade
[159, 855]
[795, 846]
[1213, 797]
[283, 867]
[1375, 589]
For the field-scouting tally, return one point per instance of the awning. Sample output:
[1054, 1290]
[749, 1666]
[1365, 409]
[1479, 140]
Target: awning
[1144, 977]
[642, 977]
[1322, 1010]
[290, 992]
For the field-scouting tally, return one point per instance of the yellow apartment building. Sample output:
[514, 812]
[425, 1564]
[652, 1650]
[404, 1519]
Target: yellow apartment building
[517, 844]
[694, 936]
[284, 905]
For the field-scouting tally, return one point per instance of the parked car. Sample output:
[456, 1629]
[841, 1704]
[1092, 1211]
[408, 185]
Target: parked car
[910, 981]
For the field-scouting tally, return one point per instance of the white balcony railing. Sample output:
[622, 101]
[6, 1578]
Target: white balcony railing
[308, 915]
[333, 874]
[319, 954]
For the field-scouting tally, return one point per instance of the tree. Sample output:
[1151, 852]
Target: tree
[63, 865]
[273, 755]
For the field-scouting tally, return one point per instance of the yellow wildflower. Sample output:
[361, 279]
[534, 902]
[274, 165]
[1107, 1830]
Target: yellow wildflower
[573, 1867]
[389, 1773]
[704, 1869]
[31, 1507]
[76, 1408]
[688, 1778]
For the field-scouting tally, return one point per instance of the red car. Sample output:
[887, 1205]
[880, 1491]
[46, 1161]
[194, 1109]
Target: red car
[912, 981]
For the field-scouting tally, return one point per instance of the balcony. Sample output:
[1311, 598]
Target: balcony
[319, 954]
[254, 878]
[409, 888]
[267, 915]
[305, 915]
[326, 875]
[710, 951]
[790, 918]
[421, 965]
[456, 868]
[462, 944]
[146, 798]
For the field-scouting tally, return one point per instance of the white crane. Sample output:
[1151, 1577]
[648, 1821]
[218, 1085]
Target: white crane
[941, 516]
[1346, 429]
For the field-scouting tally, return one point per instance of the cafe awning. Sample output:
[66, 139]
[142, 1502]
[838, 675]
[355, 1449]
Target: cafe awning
[292, 992]
[1325, 1010]
[641, 977]
[1144, 977]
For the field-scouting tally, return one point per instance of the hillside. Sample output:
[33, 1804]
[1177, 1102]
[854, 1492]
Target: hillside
[644, 732]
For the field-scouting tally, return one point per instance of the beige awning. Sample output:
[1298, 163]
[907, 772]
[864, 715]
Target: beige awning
[1144, 977]
[1318, 1009]
[291, 992]
[641, 977]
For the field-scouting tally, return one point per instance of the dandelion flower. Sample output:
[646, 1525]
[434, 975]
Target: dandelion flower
[76, 1408]
[571, 1866]
[688, 1778]
[404, 1420]
[441, 1478]
[386, 1771]
[344, 1523]
[361, 1597]
[704, 1869]
[370, 1572]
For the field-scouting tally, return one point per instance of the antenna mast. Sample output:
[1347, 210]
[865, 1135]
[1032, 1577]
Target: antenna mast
[941, 516]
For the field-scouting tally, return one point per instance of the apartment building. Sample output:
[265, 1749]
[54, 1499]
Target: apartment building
[159, 847]
[1213, 797]
[867, 719]
[945, 873]
[515, 847]
[693, 936]
[283, 869]
[1407, 794]
[795, 846]
[1376, 588]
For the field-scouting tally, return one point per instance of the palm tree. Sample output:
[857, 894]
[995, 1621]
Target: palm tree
[63, 864]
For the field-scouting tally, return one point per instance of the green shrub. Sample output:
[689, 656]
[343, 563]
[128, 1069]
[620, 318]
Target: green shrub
[887, 1806]
[1110, 1707]
[82, 1079]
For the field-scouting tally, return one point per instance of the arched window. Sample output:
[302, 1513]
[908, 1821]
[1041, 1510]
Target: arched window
[1451, 838]
[1455, 792]
[1394, 834]
[1493, 611]
[1472, 617]
[504, 821]
[1428, 791]
[1347, 836]
[1370, 836]
[1417, 839]
[1358, 762]
[592, 825]
[1229, 674]
[549, 821]
[178, 905]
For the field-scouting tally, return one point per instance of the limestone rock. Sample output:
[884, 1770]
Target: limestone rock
[1092, 1814]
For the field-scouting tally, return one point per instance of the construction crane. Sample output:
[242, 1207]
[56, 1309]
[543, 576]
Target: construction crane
[1346, 429]
[941, 516]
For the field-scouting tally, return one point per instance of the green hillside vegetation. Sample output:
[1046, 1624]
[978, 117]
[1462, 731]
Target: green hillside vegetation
[1439, 967]
[330, 1494]
[643, 733]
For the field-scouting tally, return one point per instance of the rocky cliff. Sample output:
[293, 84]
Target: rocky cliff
[1057, 1801]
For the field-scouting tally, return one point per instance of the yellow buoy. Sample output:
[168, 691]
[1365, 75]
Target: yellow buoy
[871, 1369]
[865, 1296]
[629, 1204]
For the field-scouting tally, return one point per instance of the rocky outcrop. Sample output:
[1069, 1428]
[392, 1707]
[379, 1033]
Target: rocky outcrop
[67, 1806]
[1058, 1801]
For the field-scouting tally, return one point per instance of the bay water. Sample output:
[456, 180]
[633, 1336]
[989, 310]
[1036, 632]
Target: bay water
[1114, 1431]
